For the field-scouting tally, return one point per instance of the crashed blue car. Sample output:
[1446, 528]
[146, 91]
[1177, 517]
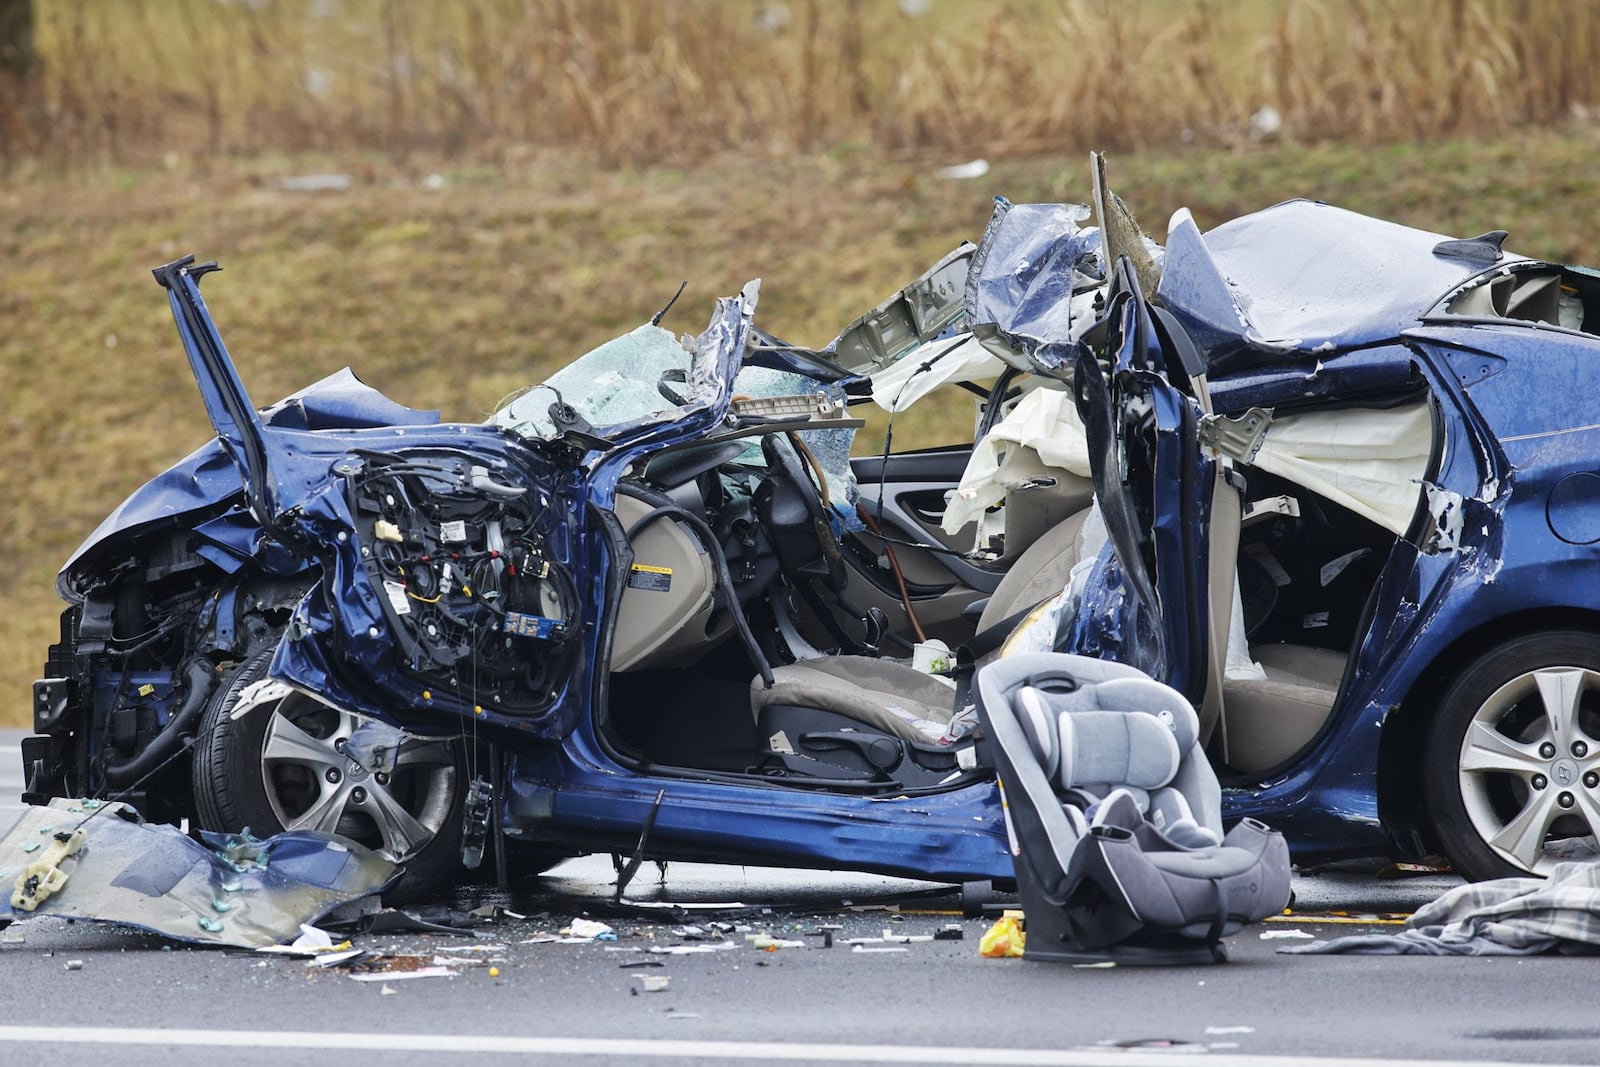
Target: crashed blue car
[1330, 477]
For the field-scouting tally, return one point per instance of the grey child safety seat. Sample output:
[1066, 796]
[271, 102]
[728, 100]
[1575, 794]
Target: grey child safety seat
[1116, 817]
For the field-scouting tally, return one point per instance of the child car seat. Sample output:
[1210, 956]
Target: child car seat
[1115, 816]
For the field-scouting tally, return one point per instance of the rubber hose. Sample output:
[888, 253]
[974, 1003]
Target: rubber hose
[202, 679]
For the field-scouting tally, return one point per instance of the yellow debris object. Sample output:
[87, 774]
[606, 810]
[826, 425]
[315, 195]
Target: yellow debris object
[44, 875]
[1005, 938]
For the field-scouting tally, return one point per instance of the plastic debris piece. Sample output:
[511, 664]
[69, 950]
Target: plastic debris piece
[312, 939]
[695, 949]
[653, 983]
[771, 944]
[590, 930]
[1218, 1031]
[396, 976]
[494, 972]
[976, 168]
[335, 959]
[950, 932]
[1102, 965]
[46, 876]
[1005, 939]
[74, 965]
[883, 948]
[1287, 935]
[388, 992]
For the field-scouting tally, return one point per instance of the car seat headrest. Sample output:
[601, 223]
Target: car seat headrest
[1165, 703]
[1115, 748]
[1038, 711]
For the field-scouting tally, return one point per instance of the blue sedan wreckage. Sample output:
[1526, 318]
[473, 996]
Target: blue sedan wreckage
[1332, 479]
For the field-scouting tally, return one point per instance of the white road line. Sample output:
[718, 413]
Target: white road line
[481, 1044]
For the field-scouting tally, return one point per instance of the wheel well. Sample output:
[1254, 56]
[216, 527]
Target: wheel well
[1400, 790]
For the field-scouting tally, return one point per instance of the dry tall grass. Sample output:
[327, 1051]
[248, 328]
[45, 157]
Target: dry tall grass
[637, 81]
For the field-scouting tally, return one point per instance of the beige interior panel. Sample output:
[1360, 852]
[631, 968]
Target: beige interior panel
[665, 608]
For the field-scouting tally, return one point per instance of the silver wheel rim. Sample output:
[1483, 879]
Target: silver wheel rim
[1530, 768]
[312, 785]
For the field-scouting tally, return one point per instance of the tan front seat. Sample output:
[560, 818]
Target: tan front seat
[895, 697]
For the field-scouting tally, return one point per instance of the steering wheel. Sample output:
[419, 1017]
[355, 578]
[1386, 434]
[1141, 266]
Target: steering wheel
[783, 460]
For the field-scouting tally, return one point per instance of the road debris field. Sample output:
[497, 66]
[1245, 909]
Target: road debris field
[720, 958]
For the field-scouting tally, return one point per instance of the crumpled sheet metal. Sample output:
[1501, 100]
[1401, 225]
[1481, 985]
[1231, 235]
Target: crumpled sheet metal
[1033, 283]
[239, 893]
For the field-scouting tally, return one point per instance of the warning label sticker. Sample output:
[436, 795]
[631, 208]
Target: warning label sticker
[656, 579]
[397, 597]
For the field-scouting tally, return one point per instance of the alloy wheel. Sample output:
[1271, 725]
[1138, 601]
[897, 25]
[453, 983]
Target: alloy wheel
[1529, 768]
[313, 783]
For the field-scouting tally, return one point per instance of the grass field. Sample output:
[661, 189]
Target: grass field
[453, 296]
[631, 82]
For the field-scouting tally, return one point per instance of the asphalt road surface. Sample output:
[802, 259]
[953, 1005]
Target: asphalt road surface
[80, 993]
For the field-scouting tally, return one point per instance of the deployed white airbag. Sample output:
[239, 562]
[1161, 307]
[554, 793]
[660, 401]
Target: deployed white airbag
[916, 374]
[1044, 420]
[1370, 461]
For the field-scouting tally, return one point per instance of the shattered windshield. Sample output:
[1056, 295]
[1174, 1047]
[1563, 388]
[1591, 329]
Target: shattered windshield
[625, 379]
[830, 447]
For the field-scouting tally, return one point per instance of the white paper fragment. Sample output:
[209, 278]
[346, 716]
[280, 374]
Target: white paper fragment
[400, 976]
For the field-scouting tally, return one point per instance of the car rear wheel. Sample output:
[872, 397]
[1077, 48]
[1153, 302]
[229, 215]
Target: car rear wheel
[1512, 767]
[271, 758]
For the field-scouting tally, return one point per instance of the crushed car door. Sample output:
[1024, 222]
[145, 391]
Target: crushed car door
[1147, 602]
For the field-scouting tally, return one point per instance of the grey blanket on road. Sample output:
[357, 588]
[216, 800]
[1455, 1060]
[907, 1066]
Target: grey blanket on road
[1504, 917]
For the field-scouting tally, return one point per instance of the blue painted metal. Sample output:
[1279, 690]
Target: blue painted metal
[1255, 296]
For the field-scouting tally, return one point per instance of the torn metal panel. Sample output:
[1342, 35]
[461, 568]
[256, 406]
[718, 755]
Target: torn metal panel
[1302, 277]
[239, 892]
[907, 320]
[1034, 283]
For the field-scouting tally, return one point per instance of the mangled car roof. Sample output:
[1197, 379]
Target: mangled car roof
[1304, 276]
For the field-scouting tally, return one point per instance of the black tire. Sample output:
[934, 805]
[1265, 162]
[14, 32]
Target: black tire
[276, 767]
[1512, 765]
